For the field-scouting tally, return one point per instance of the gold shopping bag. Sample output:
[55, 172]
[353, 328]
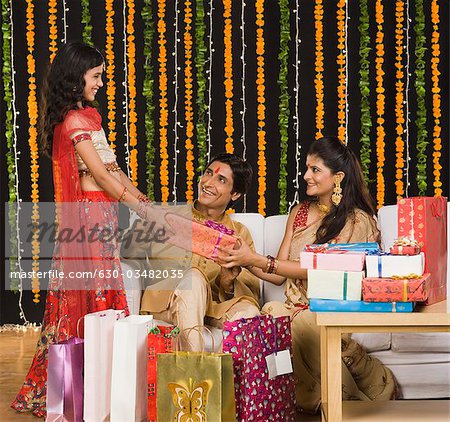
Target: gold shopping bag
[195, 386]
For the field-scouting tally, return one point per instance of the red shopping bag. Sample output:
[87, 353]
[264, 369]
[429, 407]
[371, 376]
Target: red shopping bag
[425, 219]
[160, 340]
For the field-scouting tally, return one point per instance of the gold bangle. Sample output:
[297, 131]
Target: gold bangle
[141, 197]
[122, 196]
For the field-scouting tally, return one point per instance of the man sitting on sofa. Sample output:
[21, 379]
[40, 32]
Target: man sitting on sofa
[205, 290]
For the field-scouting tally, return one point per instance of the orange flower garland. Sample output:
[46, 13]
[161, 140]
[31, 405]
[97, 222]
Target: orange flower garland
[163, 112]
[318, 66]
[261, 110]
[110, 85]
[32, 141]
[379, 60]
[132, 115]
[399, 98]
[189, 110]
[341, 59]
[437, 142]
[53, 28]
[228, 69]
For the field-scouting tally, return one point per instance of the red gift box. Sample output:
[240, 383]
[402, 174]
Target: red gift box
[376, 289]
[201, 239]
[159, 340]
[405, 246]
[425, 219]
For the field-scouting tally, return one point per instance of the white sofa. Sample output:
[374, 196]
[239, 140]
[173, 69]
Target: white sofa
[420, 362]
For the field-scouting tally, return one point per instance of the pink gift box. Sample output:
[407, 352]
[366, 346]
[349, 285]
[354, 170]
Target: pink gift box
[396, 290]
[333, 260]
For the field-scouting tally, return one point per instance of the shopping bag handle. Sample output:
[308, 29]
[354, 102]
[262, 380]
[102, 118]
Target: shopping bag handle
[58, 326]
[437, 206]
[200, 329]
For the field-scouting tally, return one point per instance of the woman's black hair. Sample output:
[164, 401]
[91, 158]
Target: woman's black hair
[63, 87]
[338, 157]
[241, 169]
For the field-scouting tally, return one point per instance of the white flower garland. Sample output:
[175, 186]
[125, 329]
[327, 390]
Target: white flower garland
[209, 72]
[175, 107]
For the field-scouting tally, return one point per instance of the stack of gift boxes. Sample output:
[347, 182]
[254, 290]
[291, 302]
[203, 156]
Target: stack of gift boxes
[359, 277]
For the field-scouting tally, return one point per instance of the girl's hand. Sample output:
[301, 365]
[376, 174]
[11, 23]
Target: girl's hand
[241, 257]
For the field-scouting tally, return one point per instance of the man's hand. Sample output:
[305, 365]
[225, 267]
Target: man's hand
[227, 277]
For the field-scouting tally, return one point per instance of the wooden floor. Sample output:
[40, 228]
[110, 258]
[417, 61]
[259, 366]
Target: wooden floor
[16, 352]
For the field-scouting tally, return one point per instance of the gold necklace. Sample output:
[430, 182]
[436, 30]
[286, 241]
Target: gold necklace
[323, 209]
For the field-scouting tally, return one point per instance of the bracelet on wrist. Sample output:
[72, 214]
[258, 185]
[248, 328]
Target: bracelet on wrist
[123, 194]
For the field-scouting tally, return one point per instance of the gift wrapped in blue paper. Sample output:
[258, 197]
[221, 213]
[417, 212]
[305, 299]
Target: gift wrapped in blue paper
[331, 305]
[366, 247]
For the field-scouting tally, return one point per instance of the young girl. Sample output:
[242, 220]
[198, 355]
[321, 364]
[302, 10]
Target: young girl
[88, 184]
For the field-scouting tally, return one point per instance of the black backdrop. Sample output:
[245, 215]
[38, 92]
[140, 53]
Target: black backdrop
[9, 309]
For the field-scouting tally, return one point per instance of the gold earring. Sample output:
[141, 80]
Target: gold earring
[337, 192]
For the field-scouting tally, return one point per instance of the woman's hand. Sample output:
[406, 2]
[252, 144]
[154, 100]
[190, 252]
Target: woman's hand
[241, 257]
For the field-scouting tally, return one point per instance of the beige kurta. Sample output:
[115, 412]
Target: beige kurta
[364, 377]
[151, 255]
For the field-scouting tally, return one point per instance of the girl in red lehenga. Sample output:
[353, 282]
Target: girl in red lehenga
[88, 185]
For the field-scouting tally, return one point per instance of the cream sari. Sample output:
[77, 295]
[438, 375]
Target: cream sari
[363, 377]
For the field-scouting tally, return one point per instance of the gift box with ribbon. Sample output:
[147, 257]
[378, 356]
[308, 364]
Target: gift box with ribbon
[412, 288]
[342, 285]
[385, 265]
[405, 246]
[202, 239]
[425, 219]
[364, 247]
[332, 260]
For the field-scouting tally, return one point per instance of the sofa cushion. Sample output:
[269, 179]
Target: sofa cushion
[421, 342]
[374, 341]
[255, 224]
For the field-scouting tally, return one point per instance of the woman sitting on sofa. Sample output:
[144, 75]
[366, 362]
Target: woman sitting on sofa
[341, 212]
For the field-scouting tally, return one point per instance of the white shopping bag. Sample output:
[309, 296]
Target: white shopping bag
[98, 348]
[129, 370]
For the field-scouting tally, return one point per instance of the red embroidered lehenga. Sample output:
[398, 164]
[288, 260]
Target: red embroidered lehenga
[68, 300]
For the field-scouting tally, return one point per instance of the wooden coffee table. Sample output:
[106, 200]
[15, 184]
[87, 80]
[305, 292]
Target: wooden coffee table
[432, 318]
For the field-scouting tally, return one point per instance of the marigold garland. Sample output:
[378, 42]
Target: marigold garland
[261, 108]
[421, 116]
[284, 110]
[399, 98]
[132, 115]
[437, 142]
[188, 94]
[341, 62]
[110, 66]
[163, 111]
[318, 67]
[202, 108]
[53, 30]
[381, 134]
[86, 22]
[228, 73]
[32, 141]
[147, 92]
[364, 87]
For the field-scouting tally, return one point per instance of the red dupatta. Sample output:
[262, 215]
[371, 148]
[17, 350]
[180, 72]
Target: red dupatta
[72, 248]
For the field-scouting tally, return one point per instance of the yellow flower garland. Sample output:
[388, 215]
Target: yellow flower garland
[437, 142]
[188, 95]
[110, 84]
[163, 112]
[132, 115]
[32, 141]
[318, 66]
[399, 98]
[380, 144]
[228, 72]
[52, 4]
[261, 109]
[341, 89]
